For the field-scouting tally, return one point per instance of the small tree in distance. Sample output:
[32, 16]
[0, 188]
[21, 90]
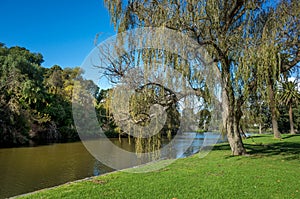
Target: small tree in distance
[290, 95]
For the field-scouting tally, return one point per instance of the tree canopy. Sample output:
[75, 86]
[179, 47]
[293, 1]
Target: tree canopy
[35, 102]
[251, 41]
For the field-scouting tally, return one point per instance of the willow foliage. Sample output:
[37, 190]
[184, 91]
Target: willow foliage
[245, 38]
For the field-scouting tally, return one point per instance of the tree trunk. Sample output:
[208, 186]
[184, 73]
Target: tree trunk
[231, 123]
[291, 119]
[243, 134]
[260, 132]
[276, 132]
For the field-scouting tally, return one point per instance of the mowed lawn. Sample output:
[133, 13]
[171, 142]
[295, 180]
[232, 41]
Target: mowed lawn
[272, 170]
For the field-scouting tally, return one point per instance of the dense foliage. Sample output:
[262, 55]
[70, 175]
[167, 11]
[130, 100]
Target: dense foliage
[35, 102]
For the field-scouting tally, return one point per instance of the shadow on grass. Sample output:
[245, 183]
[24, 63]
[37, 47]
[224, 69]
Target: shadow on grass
[289, 136]
[224, 146]
[258, 136]
[288, 149]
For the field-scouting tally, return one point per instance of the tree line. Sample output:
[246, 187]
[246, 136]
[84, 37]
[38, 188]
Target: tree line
[36, 102]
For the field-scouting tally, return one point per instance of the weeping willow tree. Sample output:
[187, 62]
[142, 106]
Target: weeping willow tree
[216, 25]
[262, 58]
[273, 50]
[146, 103]
[229, 33]
[140, 111]
[139, 114]
[289, 37]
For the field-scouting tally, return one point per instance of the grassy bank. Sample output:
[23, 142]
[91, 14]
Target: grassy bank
[271, 171]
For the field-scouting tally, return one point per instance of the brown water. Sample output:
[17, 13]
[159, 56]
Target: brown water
[28, 169]
[32, 168]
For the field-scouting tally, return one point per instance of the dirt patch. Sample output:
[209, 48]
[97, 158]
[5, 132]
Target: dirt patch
[97, 181]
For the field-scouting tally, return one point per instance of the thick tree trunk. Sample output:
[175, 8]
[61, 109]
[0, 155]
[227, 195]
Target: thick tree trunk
[234, 139]
[291, 119]
[231, 123]
[276, 132]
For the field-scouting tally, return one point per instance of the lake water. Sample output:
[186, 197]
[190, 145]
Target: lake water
[27, 169]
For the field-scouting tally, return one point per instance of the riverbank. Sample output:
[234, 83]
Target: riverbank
[271, 171]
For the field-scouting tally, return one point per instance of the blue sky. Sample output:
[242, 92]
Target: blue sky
[63, 31]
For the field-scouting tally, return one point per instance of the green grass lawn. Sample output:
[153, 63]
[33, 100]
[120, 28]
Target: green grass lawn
[271, 171]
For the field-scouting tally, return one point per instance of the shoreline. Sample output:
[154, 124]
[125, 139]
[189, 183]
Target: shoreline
[93, 177]
[122, 170]
[56, 186]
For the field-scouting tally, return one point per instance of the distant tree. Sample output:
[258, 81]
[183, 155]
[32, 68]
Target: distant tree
[256, 112]
[290, 95]
[204, 119]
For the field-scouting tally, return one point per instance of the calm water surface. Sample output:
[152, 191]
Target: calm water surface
[31, 168]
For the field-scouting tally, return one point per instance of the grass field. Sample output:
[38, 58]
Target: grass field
[272, 170]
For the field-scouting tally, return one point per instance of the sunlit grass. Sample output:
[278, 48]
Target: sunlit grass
[270, 171]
